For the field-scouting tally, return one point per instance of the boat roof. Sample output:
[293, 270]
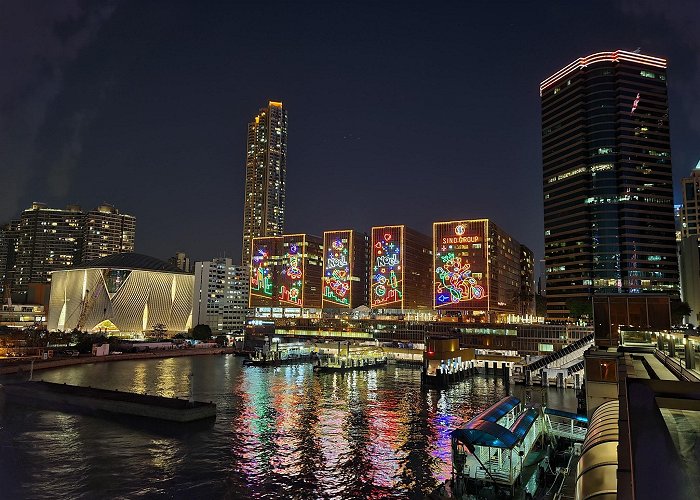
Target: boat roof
[484, 431]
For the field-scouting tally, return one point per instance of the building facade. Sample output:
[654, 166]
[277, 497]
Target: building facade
[481, 271]
[181, 261]
[608, 195]
[689, 244]
[220, 295]
[400, 269]
[266, 174]
[123, 293]
[9, 238]
[286, 271]
[345, 270]
[49, 239]
[107, 232]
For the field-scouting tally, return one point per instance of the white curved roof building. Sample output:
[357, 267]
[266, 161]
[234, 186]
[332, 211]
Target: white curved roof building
[125, 293]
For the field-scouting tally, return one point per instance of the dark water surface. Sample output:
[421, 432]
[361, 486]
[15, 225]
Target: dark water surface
[280, 432]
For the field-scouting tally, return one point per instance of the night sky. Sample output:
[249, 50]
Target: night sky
[399, 112]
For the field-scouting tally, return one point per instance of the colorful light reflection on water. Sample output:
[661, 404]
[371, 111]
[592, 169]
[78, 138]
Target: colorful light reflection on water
[281, 432]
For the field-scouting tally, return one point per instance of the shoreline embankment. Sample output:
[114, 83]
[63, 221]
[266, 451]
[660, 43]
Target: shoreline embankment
[25, 365]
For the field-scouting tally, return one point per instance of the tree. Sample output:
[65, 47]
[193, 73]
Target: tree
[201, 332]
[580, 308]
[679, 310]
[540, 305]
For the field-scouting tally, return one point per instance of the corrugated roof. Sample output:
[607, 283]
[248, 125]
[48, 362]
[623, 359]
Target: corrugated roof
[130, 261]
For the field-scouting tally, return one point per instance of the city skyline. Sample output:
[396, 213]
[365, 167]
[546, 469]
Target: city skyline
[364, 122]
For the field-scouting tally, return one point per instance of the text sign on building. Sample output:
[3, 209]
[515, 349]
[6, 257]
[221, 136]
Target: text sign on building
[262, 279]
[386, 274]
[337, 267]
[291, 279]
[461, 264]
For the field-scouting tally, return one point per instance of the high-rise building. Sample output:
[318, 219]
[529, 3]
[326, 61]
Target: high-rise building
[608, 194]
[344, 269]
[9, 238]
[286, 271]
[181, 261]
[49, 239]
[266, 174]
[107, 232]
[689, 252]
[220, 295]
[481, 271]
[401, 266]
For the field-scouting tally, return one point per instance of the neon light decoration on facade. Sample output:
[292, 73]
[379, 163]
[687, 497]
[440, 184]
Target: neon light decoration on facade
[387, 263]
[459, 249]
[456, 283]
[336, 277]
[292, 277]
[261, 279]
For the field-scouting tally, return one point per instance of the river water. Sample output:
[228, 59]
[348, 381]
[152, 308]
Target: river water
[281, 432]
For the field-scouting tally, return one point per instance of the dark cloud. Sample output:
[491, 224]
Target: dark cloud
[39, 39]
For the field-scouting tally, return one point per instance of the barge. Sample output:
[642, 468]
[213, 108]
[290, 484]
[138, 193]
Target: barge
[89, 400]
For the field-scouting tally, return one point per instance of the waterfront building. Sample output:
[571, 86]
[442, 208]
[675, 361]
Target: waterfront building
[689, 242]
[608, 194]
[9, 237]
[106, 232]
[400, 269]
[181, 261]
[345, 271]
[481, 271]
[48, 239]
[22, 316]
[286, 271]
[266, 174]
[124, 293]
[220, 295]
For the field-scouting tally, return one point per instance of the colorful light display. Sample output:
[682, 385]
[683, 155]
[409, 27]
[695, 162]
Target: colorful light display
[291, 290]
[337, 282]
[262, 280]
[387, 267]
[460, 251]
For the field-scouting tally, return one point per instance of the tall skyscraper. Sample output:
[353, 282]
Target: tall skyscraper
[608, 193]
[107, 232]
[689, 245]
[266, 173]
[220, 295]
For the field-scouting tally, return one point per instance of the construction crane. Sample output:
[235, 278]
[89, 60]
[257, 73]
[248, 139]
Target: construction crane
[86, 306]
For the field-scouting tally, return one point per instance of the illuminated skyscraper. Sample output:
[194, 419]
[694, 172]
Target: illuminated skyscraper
[608, 194]
[266, 173]
[48, 239]
[107, 232]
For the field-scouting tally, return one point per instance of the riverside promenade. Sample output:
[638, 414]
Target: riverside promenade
[9, 366]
